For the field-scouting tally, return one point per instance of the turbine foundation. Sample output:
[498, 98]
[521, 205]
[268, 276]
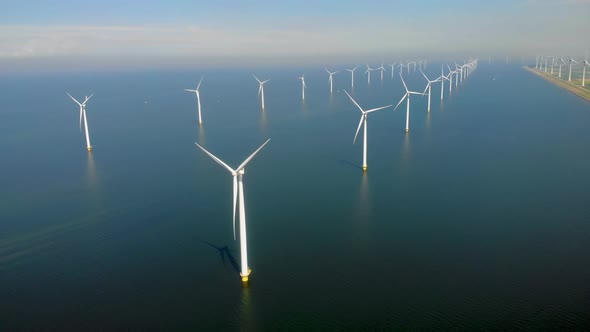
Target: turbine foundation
[364, 168]
[407, 130]
[89, 149]
[245, 278]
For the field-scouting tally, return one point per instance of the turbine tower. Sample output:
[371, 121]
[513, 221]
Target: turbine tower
[407, 97]
[261, 89]
[586, 63]
[197, 92]
[83, 116]
[363, 122]
[392, 65]
[238, 196]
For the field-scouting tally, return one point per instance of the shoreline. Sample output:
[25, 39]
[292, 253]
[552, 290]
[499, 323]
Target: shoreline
[575, 89]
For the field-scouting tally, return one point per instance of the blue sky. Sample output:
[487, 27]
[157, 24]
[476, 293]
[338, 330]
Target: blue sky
[305, 31]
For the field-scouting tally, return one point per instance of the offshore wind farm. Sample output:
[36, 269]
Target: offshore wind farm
[475, 219]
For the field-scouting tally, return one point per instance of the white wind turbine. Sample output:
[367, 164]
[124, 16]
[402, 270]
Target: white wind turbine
[429, 87]
[392, 65]
[331, 80]
[261, 89]
[442, 79]
[572, 61]
[362, 122]
[238, 195]
[586, 63]
[352, 76]
[368, 72]
[83, 116]
[382, 69]
[407, 97]
[401, 67]
[197, 92]
[451, 73]
[302, 78]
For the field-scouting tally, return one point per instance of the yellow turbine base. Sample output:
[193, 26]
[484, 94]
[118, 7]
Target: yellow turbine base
[407, 130]
[364, 168]
[245, 277]
[89, 149]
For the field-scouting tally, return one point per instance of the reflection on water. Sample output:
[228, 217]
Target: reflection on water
[428, 121]
[247, 322]
[442, 106]
[406, 152]
[91, 171]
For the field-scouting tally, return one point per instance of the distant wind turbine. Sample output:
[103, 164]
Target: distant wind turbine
[368, 72]
[407, 97]
[197, 92]
[392, 65]
[238, 196]
[83, 116]
[331, 80]
[382, 69]
[362, 122]
[442, 82]
[261, 89]
[302, 78]
[429, 87]
[572, 61]
[561, 62]
[352, 76]
[586, 63]
[451, 73]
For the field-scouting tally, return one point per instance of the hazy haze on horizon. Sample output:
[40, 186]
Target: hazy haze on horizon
[112, 34]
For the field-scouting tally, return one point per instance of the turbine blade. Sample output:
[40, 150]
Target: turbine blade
[81, 118]
[400, 101]
[404, 82]
[257, 78]
[354, 101]
[251, 156]
[201, 81]
[74, 99]
[217, 160]
[359, 128]
[377, 109]
[87, 99]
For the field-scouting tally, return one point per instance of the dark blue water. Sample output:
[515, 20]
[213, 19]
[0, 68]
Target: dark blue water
[478, 219]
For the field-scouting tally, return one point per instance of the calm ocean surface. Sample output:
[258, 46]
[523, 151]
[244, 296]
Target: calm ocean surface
[478, 219]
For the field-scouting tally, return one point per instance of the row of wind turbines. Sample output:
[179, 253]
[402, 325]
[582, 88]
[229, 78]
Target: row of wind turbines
[460, 73]
[543, 62]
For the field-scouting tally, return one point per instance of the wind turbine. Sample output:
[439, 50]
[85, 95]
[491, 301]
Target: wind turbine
[382, 70]
[238, 196]
[407, 97]
[429, 87]
[196, 91]
[261, 89]
[302, 78]
[401, 67]
[330, 79]
[586, 63]
[442, 82]
[83, 115]
[451, 73]
[392, 69]
[572, 61]
[362, 122]
[368, 72]
[352, 76]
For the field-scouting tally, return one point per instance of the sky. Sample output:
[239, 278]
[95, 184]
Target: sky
[110, 33]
